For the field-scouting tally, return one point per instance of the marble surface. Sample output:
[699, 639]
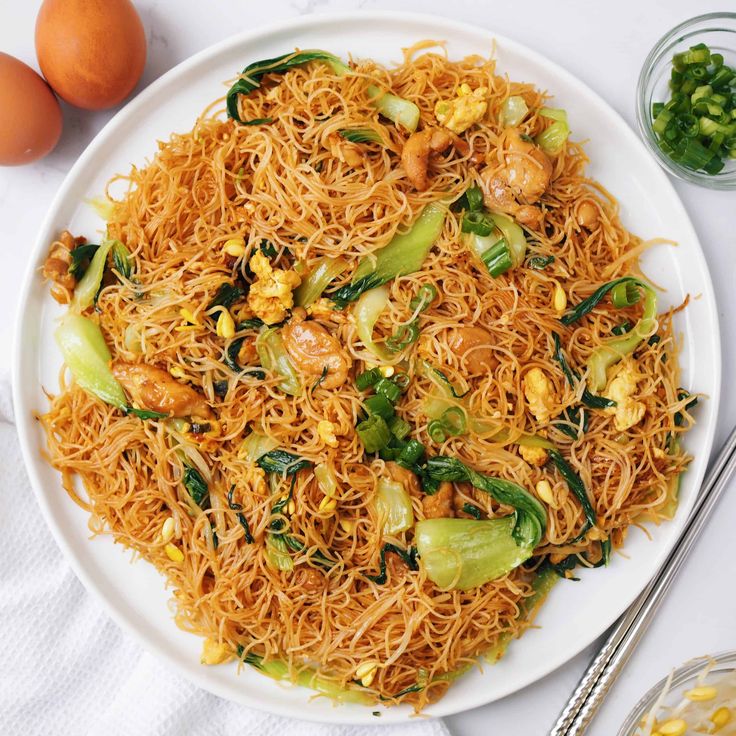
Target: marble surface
[604, 45]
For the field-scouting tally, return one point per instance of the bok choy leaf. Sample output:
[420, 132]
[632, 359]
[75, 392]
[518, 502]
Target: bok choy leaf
[273, 355]
[253, 74]
[405, 254]
[464, 553]
[84, 351]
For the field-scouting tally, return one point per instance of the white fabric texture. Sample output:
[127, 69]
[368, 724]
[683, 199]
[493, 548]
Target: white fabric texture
[66, 668]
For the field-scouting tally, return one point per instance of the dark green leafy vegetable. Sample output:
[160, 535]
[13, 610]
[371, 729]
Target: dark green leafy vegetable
[571, 425]
[321, 378]
[254, 323]
[539, 263]
[531, 517]
[122, 260]
[589, 399]
[268, 249]
[253, 74]
[679, 419]
[80, 258]
[226, 296]
[622, 329]
[257, 121]
[240, 516]
[282, 462]
[409, 557]
[470, 201]
[572, 561]
[577, 486]
[145, 413]
[231, 360]
[472, 510]
[195, 484]
[448, 384]
[405, 254]
[590, 303]
[361, 135]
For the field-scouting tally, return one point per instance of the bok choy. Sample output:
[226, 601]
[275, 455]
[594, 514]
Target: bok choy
[84, 351]
[399, 111]
[85, 293]
[553, 138]
[273, 356]
[612, 351]
[394, 506]
[279, 670]
[325, 270]
[464, 553]
[405, 254]
[530, 519]
[253, 74]
[86, 355]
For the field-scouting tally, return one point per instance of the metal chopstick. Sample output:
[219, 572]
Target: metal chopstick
[608, 663]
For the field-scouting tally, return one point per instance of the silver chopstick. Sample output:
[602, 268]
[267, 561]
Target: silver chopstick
[608, 663]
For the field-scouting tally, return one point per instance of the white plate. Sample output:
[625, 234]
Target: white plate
[576, 613]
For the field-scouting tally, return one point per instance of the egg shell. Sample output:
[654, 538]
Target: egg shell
[30, 115]
[92, 52]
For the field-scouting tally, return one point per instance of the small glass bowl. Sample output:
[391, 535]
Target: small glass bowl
[718, 32]
[683, 679]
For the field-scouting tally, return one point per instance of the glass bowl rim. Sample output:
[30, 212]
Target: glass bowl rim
[724, 661]
[644, 124]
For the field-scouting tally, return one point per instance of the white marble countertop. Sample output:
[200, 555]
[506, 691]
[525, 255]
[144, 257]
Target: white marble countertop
[604, 45]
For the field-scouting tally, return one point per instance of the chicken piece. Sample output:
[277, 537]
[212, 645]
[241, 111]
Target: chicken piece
[465, 110]
[270, 295]
[418, 149]
[312, 349]
[520, 182]
[408, 479]
[440, 504]
[536, 456]
[539, 394]
[154, 389]
[588, 215]
[473, 346]
[345, 151]
[56, 266]
[628, 411]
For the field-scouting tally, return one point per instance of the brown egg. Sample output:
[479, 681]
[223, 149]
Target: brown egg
[30, 116]
[92, 52]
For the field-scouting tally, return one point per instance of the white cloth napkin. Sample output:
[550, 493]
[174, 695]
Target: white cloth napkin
[66, 668]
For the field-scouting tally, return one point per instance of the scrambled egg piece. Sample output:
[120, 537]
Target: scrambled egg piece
[213, 652]
[628, 411]
[270, 294]
[326, 432]
[467, 108]
[536, 456]
[538, 392]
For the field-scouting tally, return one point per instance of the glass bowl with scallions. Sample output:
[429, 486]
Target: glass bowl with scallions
[686, 101]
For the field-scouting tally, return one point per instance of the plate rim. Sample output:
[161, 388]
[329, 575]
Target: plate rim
[23, 414]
